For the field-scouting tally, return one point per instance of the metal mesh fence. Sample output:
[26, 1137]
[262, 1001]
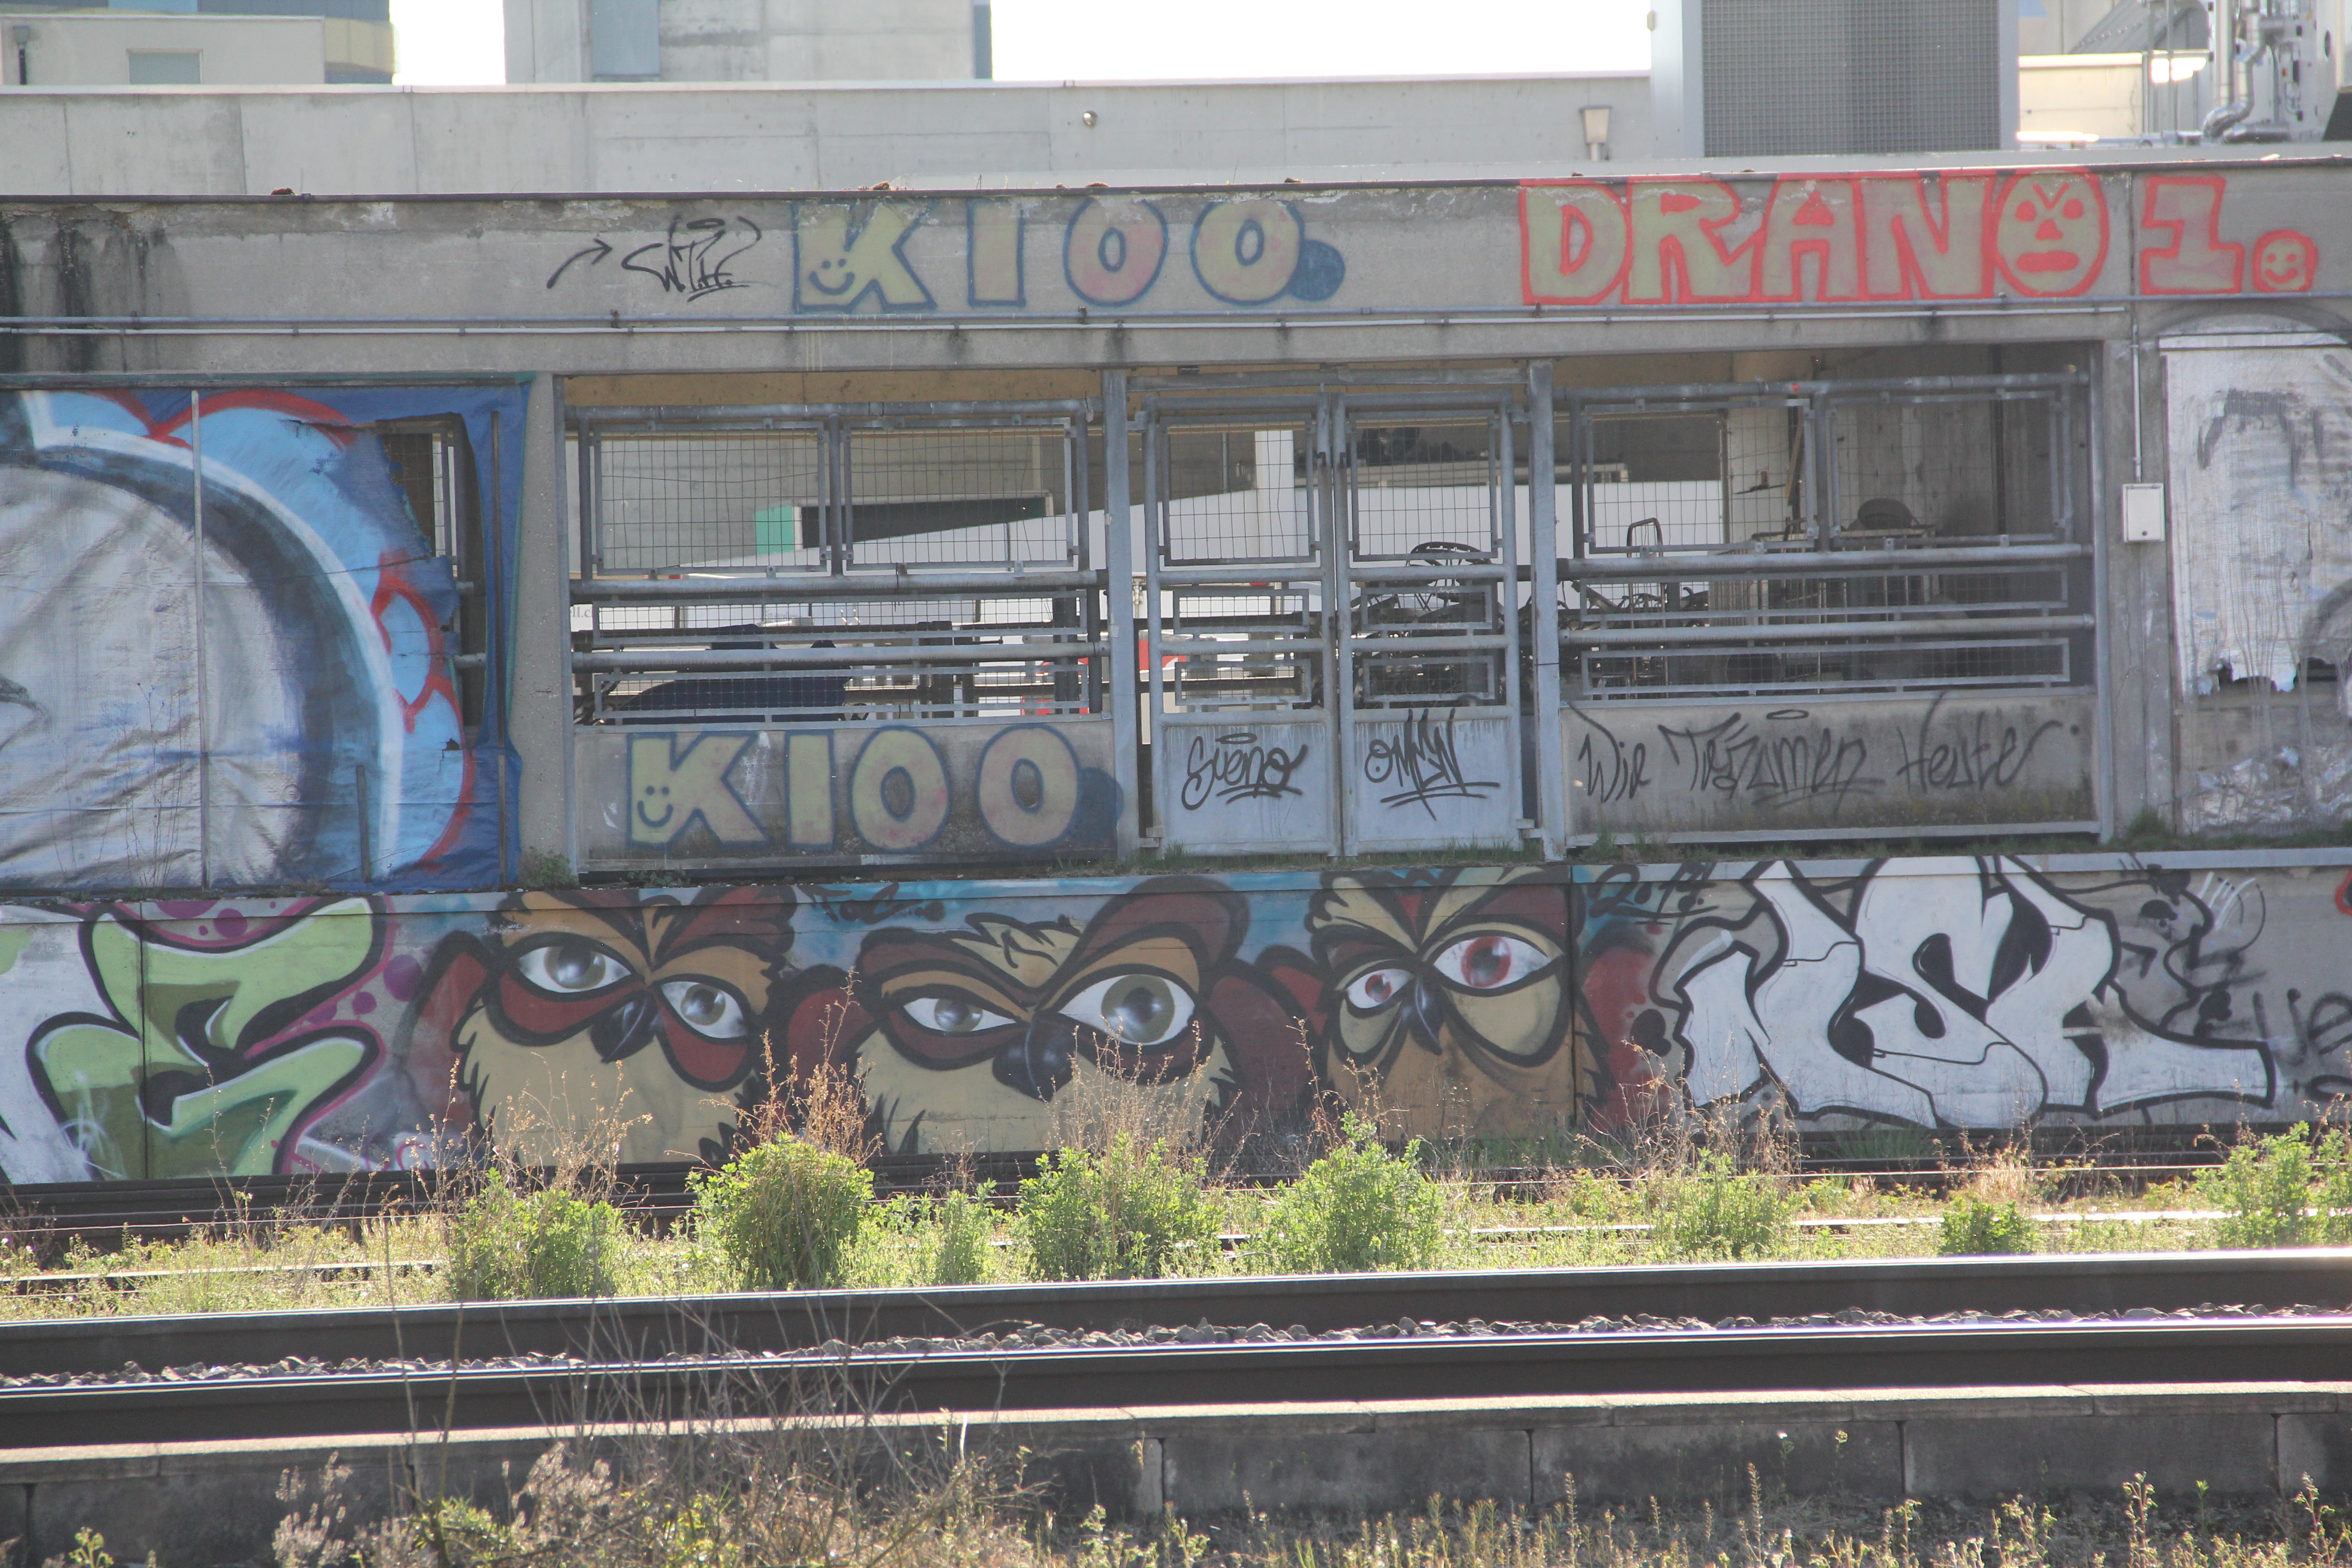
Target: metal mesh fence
[1843, 537]
[831, 569]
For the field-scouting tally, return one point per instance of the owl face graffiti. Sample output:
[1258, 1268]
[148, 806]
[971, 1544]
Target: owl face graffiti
[1012, 1035]
[1447, 998]
[591, 1002]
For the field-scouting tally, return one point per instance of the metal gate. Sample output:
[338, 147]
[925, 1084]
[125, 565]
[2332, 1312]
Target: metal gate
[1334, 617]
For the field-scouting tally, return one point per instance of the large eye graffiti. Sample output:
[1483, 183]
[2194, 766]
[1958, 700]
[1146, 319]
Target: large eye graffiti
[1491, 962]
[1377, 988]
[952, 1013]
[2051, 234]
[1133, 1009]
[569, 966]
[706, 1009]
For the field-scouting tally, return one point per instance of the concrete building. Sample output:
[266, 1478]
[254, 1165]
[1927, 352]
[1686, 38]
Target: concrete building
[745, 40]
[822, 136]
[212, 43]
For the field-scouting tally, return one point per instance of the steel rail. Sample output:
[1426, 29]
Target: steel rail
[1423, 1366]
[651, 1327]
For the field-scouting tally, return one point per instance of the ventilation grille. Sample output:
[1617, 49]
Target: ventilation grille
[1851, 76]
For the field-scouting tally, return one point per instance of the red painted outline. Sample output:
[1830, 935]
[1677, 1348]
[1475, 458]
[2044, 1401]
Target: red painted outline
[1615, 195]
[2106, 230]
[1673, 276]
[1935, 215]
[2310, 260]
[1823, 248]
[2177, 228]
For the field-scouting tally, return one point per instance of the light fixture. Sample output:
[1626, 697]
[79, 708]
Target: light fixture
[1596, 130]
[1088, 117]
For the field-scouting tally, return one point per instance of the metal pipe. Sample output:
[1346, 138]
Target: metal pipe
[1667, 639]
[644, 662]
[826, 589]
[760, 417]
[1810, 562]
[204, 723]
[2232, 108]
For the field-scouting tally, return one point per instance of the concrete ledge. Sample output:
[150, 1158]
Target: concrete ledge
[203, 1503]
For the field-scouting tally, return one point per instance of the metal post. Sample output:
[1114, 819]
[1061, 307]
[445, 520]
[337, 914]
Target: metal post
[204, 723]
[2103, 689]
[1155, 523]
[1118, 593]
[591, 501]
[1330, 498]
[1543, 563]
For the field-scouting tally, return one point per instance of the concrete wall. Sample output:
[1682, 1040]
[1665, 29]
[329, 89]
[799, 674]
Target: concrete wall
[94, 48]
[757, 40]
[759, 138]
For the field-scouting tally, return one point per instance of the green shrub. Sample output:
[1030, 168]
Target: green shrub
[961, 1258]
[1973, 1227]
[1713, 1212]
[1124, 1213]
[2291, 1189]
[1357, 1209]
[507, 1245]
[782, 1212]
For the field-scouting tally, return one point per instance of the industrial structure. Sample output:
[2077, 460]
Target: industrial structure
[188, 43]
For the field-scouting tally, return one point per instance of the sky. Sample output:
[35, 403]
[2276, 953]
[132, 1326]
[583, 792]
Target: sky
[450, 42]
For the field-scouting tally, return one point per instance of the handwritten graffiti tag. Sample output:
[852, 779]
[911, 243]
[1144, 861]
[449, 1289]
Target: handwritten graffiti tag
[1423, 761]
[1734, 759]
[1982, 751]
[1234, 767]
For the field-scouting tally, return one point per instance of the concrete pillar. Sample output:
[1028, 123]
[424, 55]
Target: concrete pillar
[540, 685]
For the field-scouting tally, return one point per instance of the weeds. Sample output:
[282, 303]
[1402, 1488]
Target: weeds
[1717, 1212]
[506, 1244]
[1972, 1226]
[1125, 1214]
[2291, 1189]
[782, 1213]
[1357, 1209]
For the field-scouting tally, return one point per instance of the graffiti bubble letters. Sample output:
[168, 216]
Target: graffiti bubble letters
[843, 254]
[1422, 762]
[692, 259]
[1233, 766]
[2043, 233]
[1980, 751]
[1764, 768]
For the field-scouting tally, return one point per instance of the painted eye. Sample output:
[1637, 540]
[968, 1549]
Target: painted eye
[1375, 989]
[569, 966]
[707, 1009]
[952, 1013]
[1135, 1009]
[1489, 962]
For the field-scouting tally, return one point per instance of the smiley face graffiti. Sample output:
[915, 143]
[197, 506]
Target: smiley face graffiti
[2050, 234]
[2285, 262]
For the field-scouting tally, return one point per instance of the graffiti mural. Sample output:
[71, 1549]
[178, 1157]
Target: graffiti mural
[238, 670]
[987, 1036]
[249, 1035]
[706, 796]
[1964, 235]
[1964, 993]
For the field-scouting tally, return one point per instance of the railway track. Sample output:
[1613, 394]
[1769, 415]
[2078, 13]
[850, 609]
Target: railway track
[102, 1214]
[1455, 1367]
[650, 1328]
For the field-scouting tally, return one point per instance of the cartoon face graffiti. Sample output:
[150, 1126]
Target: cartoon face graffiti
[1446, 998]
[1012, 1035]
[2285, 262]
[595, 1003]
[2051, 232]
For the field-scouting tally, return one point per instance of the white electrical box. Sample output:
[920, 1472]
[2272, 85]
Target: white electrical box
[2143, 514]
